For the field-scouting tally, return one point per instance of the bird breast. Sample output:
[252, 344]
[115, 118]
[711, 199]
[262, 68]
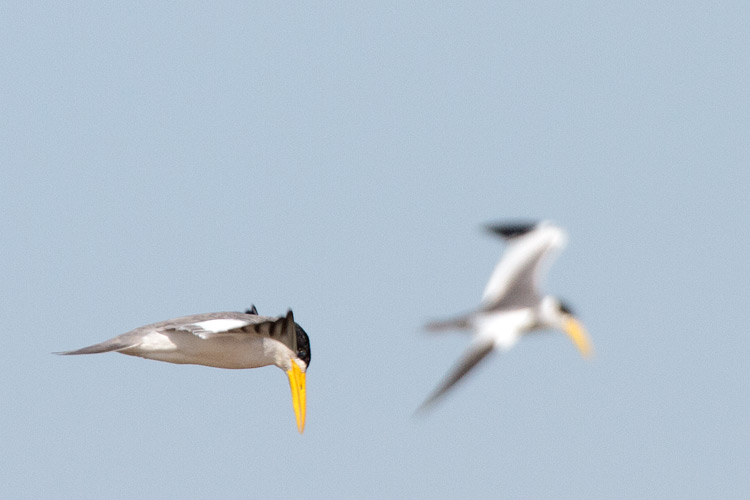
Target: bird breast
[504, 328]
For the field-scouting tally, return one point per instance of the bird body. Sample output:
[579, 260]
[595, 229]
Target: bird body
[512, 304]
[224, 340]
[227, 351]
[503, 330]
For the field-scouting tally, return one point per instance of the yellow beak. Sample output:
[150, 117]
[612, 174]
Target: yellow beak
[578, 335]
[299, 394]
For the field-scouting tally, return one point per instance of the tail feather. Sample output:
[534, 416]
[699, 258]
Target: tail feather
[460, 323]
[106, 346]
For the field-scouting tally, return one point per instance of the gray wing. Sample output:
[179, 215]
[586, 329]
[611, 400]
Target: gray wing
[205, 326]
[470, 359]
[210, 325]
[516, 279]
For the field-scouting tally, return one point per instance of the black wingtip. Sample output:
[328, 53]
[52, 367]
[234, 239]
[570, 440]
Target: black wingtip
[252, 310]
[510, 230]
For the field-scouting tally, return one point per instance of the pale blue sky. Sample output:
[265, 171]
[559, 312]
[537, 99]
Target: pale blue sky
[171, 158]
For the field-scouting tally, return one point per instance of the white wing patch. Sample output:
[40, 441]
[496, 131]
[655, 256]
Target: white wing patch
[154, 341]
[218, 325]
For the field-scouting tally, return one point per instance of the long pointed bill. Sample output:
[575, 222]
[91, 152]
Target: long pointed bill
[299, 394]
[578, 335]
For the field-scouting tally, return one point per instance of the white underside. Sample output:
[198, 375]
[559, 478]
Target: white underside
[503, 328]
[221, 351]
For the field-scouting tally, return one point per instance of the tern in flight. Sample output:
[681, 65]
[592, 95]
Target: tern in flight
[512, 304]
[223, 340]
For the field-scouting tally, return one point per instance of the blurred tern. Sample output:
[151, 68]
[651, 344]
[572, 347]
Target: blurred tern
[512, 304]
[223, 340]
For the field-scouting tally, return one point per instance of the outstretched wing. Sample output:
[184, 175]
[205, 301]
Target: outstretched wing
[209, 325]
[516, 279]
[205, 326]
[476, 353]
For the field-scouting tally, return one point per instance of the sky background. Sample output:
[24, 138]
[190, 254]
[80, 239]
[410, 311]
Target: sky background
[170, 158]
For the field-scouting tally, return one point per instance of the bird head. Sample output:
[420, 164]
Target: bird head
[558, 315]
[297, 373]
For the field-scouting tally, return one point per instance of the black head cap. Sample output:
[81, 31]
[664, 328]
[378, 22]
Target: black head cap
[303, 345]
[565, 308]
[512, 230]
